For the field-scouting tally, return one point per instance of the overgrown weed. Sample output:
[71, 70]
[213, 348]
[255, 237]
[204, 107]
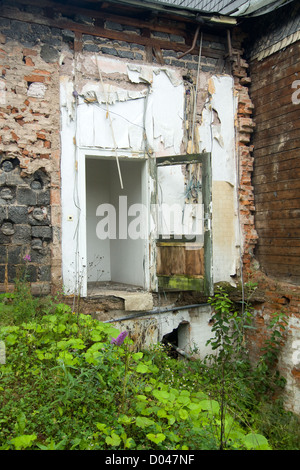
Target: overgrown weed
[67, 384]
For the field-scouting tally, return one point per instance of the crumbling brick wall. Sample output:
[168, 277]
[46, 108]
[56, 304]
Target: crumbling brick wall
[245, 126]
[29, 154]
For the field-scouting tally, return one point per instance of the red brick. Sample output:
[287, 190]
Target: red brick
[29, 62]
[14, 136]
[34, 78]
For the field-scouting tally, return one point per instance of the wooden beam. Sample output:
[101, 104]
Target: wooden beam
[156, 24]
[182, 159]
[93, 30]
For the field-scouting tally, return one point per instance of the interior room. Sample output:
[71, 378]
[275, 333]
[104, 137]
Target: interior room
[115, 223]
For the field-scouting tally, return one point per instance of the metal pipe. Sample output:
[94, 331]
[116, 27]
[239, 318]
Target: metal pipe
[193, 45]
[156, 312]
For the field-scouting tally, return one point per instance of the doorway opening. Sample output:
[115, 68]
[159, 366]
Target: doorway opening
[115, 225]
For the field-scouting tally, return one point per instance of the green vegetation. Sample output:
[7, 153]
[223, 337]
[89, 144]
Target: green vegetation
[66, 384]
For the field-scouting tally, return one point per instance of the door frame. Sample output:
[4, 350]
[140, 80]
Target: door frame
[206, 286]
[81, 250]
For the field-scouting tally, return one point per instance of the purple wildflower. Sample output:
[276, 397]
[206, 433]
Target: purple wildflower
[27, 258]
[120, 339]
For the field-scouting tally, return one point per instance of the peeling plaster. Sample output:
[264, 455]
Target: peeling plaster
[216, 135]
[290, 354]
[146, 101]
[37, 90]
[151, 329]
[2, 92]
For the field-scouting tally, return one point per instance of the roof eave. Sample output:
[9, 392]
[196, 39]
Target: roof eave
[191, 14]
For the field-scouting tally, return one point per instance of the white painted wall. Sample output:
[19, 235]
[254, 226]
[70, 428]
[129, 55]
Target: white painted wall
[217, 135]
[97, 192]
[127, 255]
[118, 260]
[89, 132]
[86, 130]
[199, 331]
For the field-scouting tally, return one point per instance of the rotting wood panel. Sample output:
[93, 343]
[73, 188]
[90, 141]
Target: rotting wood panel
[283, 204]
[265, 68]
[274, 174]
[274, 113]
[274, 187]
[180, 259]
[281, 166]
[277, 139]
[276, 177]
[188, 265]
[278, 214]
[291, 117]
[276, 149]
[283, 156]
[290, 125]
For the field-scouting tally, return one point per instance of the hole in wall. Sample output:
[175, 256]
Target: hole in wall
[9, 164]
[177, 339]
[7, 227]
[285, 300]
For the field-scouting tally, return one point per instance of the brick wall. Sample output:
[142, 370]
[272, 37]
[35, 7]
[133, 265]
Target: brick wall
[244, 148]
[275, 258]
[276, 171]
[29, 154]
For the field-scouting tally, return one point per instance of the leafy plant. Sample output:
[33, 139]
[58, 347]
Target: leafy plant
[72, 382]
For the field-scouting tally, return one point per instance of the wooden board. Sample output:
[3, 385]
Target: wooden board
[276, 176]
[180, 259]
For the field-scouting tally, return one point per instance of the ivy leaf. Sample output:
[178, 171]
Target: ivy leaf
[184, 400]
[124, 419]
[256, 441]
[102, 427]
[161, 395]
[157, 438]
[209, 405]
[143, 422]
[113, 440]
[137, 356]
[11, 339]
[129, 443]
[161, 413]
[142, 368]
[183, 414]
[171, 419]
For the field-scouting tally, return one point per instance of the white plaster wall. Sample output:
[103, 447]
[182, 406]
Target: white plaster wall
[200, 329]
[89, 131]
[217, 135]
[290, 359]
[171, 195]
[69, 197]
[98, 192]
[127, 255]
[86, 130]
